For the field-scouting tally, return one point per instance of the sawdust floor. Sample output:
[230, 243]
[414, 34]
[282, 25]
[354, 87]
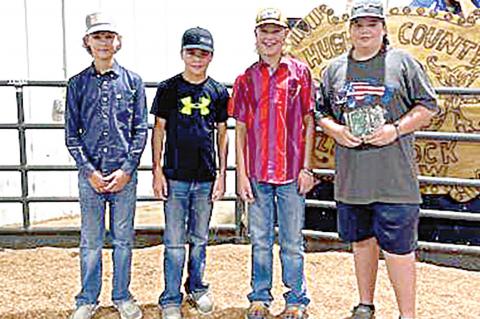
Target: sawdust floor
[42, 283]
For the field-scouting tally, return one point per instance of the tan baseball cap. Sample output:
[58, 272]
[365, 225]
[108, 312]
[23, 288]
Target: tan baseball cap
[271, 16]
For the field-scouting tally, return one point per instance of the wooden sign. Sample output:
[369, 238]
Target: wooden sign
[448, 46]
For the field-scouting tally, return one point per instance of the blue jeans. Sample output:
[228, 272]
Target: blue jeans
[187, 217]
[290, 208]
[122, 213]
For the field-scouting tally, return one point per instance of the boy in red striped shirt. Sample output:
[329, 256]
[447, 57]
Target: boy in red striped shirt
[273, 108]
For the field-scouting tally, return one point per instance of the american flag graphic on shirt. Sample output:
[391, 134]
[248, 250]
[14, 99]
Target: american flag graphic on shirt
[356, 94]
[359, 90]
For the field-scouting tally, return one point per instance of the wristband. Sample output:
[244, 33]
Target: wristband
[396, 124]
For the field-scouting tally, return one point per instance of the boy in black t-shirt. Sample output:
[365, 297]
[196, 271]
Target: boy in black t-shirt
[188, 108]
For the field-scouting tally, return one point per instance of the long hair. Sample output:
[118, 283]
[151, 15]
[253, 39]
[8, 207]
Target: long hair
[385, 43]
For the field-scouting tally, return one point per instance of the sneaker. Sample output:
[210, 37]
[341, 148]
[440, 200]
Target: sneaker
[294, 312]
[257, 310]
[172, 312]
[203, 303]
[362, 312]
[84, 312]
[128, 309]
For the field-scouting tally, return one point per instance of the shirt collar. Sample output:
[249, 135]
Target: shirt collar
[284, 61]
[115, 70]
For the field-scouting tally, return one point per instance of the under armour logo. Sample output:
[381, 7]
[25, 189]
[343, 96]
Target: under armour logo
[202, 105]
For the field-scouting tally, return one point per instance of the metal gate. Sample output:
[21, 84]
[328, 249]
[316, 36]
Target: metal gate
[25, 237]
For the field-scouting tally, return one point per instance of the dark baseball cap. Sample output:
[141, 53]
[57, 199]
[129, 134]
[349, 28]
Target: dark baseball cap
[197, 38]
[367, 8]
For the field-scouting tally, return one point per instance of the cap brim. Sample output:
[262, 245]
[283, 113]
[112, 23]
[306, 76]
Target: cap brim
[272, 21]
[367, 15]
[102, 27]
[198, 46]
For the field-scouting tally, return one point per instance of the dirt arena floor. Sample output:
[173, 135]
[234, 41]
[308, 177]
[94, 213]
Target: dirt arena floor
[42, 283]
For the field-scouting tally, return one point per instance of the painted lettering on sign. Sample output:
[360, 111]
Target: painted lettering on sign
[325, 48]
[441, 40]
[436, 153]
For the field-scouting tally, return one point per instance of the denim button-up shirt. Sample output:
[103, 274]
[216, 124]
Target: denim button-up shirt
[106, 120]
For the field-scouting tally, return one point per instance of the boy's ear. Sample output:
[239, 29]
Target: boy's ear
[119, 43]
[85, 41]
[85, 44]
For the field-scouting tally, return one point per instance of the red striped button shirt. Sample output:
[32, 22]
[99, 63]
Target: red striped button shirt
[272, 107]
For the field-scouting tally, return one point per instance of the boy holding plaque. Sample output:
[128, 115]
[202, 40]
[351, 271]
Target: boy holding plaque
[372, 99]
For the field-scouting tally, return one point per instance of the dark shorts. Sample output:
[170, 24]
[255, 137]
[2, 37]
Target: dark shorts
[394, 226]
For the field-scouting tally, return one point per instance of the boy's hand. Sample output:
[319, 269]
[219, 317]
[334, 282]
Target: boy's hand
[306, 181]
[116, 181]
[218, 187]
[245, 189]
[97, 182]
[159, 184]
[344, 137]
[384, 135]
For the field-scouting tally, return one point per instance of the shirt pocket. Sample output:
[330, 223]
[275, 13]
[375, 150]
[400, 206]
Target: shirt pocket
[125, 104]
[294, 87]
[125, 100]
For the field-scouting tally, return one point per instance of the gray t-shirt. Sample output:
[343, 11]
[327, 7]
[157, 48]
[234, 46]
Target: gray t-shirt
[396, 82]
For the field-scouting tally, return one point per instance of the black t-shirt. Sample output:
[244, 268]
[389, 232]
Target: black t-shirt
[191, 112]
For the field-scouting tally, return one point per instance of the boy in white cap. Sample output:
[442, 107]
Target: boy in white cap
[372, 100]
[273, 106]
[105, 132]
[189, 109]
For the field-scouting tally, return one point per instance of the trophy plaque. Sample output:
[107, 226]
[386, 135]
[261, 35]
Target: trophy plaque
[364, 121]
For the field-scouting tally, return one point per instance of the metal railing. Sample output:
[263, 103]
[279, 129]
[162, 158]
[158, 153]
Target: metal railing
[67, 236]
